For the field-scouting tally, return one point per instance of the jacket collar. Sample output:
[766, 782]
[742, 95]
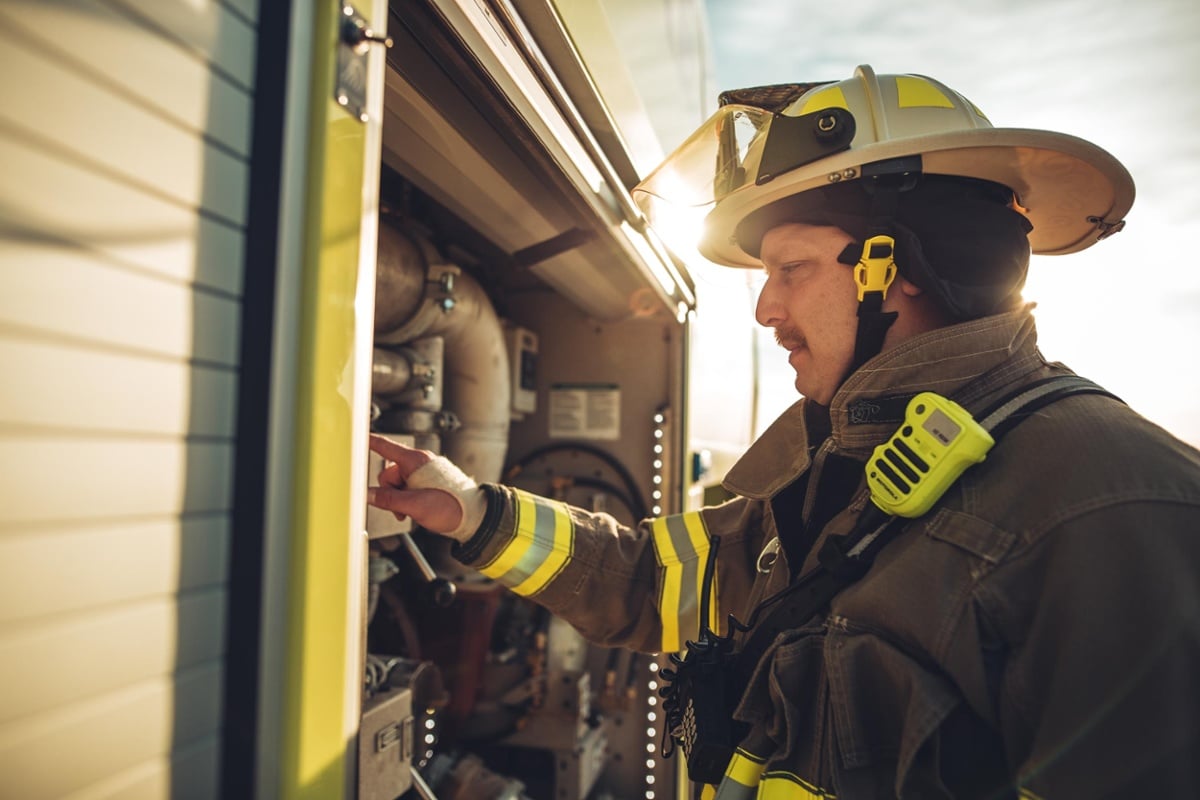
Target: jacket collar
[966, 362]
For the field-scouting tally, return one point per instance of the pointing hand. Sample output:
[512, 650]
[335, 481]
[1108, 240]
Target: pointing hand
[428, 488]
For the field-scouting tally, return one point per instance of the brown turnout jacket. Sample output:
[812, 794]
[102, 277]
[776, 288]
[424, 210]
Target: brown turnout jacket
[1038, 629]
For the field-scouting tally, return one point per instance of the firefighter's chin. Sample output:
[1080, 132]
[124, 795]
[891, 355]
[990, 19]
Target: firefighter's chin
[809, 381]
[800, 360]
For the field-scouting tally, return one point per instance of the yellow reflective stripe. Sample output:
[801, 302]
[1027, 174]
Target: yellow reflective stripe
[560, 529]
[914, 92]
[542, 544]
[521, 542]
[668, 602]
[830, 97]
[745, 768]
[786, 786]
[681, 546]
[1025, 794]
[694, 524]
[708, 792]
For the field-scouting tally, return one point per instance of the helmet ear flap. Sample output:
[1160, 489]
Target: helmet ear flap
[1000, 271]
[957, 239]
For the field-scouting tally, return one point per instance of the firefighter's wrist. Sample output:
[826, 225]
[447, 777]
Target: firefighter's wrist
[440, 473]
[470, 550]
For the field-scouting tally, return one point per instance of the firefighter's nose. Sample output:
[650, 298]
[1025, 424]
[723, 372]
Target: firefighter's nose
[769, 311]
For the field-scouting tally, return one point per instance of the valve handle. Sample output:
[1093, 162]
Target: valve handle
[443, 590]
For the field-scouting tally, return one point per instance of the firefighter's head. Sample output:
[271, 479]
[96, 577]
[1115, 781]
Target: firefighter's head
[808, 243]
[902, 167]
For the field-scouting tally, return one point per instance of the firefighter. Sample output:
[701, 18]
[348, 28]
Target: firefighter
[1036, 631]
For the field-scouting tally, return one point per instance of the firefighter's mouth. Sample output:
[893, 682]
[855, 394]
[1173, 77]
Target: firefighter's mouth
[790, 341]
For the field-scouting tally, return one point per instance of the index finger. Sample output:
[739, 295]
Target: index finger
[406, 458]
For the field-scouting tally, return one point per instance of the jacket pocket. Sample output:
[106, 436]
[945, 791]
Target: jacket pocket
[887, 710]
[786, 707]
[974, 535]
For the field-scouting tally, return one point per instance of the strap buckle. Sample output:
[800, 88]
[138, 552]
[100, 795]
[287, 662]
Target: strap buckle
[876, 268]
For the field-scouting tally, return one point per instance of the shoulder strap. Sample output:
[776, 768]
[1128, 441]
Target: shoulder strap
[1008, 411]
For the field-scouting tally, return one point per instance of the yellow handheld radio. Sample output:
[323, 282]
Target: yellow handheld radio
[938, 441]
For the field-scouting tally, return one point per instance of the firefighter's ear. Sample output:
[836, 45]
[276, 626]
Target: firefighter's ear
[908, 287]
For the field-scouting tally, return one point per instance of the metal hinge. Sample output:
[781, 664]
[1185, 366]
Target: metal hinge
[355, 37]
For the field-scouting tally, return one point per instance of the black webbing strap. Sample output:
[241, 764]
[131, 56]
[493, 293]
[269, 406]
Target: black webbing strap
[873, 322]
[1006, 413]
[873, 325]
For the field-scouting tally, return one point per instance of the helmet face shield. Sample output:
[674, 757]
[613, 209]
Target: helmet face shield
[712, 163]
[740, 146]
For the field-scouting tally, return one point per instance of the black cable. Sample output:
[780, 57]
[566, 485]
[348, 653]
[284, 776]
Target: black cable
[609, 489]
[710, 566]
[633, 499]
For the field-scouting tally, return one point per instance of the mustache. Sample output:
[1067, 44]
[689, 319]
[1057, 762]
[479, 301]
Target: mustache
[788, 337]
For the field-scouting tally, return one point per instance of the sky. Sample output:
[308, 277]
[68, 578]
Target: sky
[1126, 312]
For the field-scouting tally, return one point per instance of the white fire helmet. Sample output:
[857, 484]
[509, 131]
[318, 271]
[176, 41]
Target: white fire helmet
[759, 148]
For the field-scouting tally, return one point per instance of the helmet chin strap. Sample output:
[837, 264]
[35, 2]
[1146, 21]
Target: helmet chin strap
[875, 267]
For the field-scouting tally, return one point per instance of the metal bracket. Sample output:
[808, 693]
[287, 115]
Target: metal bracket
[1106, 229]
[355, 37]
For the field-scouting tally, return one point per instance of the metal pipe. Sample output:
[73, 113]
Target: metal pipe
[423, 790]
[477, 383]
[399, 278]
[391, 372]
[443, 590]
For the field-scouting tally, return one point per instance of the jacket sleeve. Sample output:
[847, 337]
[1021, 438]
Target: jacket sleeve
[634, 587]
[1102, 696]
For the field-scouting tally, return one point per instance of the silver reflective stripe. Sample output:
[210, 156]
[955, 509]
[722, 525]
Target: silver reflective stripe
[541, 545]
[732, 790]
[681, 546]
[741, 777]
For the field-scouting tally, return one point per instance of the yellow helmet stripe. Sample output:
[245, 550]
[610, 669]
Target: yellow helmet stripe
[830, 97]
[540, 548]
[914, 92]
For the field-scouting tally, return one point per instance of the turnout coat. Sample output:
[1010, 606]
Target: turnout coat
[1038, 631]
